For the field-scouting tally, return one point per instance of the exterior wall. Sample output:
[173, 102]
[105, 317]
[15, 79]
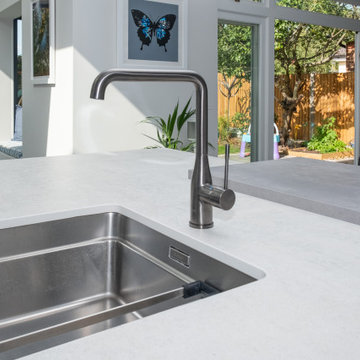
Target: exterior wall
[342, 67]
[48, 109]
[6, 80]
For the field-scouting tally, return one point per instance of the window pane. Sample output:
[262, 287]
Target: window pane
[329, 7]
[314, 91]
[236, 63]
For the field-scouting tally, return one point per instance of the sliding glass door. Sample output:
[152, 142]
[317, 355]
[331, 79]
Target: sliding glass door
[237, 88]
[307, 76]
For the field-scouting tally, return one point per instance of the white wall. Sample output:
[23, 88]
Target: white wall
[6, 4]
[48, 110]
[63, 119]
[114, 124]
[6, 81]
[203, 20]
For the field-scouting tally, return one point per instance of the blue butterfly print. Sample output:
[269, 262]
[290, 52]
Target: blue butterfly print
[147, 28]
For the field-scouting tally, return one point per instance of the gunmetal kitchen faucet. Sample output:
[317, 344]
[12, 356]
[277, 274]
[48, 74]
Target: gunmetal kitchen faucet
[203, 194]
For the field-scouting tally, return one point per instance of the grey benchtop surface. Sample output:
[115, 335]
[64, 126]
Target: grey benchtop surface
[322, 187]
[306, 307]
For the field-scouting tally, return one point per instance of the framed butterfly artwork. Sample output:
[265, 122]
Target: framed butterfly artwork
[152, 33]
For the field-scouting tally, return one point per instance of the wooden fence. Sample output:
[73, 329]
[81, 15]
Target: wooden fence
[325, 95]
[238, 104]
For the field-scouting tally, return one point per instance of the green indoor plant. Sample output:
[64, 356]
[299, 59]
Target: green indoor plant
[165, 130]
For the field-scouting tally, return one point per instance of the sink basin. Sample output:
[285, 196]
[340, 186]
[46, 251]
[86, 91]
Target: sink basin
[66, 279]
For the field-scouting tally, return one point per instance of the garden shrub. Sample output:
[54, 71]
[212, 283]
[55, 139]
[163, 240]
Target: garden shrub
[325, 140]
[241, 121]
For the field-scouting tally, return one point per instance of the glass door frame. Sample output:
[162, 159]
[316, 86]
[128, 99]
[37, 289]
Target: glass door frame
[260, 143]
[264, 14]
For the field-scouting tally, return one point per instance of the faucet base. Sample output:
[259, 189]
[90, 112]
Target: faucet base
[199, 226]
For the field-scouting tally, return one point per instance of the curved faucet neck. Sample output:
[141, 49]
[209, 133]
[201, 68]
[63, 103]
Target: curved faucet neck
[203, 195]
[105, 78]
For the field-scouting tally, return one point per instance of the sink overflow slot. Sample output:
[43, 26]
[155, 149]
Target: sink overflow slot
[179, 256]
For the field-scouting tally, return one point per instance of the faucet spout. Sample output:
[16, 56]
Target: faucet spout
[203, 195]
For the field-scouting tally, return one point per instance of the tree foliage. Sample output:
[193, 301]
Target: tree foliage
[234, 50]
[329, 7]
[302, 49]
[234, 58]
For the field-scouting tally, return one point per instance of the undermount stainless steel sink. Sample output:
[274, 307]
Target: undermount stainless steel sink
[66, 279]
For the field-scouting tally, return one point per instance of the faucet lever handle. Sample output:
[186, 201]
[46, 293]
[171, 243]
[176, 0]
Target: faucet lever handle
[226, 171]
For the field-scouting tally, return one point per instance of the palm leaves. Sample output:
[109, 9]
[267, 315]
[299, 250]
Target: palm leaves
[165, 129]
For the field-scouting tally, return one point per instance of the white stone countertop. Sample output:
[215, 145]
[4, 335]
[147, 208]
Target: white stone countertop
[306, 307]
[323, 187]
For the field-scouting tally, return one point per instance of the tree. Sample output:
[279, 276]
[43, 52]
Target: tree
[234, 58]
[302, 49]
